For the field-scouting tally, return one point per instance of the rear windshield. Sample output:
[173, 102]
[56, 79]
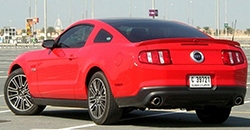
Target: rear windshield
[147, 29]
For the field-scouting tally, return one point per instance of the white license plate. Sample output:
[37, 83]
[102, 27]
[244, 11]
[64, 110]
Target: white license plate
[200, 81]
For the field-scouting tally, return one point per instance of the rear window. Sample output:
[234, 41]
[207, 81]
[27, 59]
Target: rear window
[139, 30]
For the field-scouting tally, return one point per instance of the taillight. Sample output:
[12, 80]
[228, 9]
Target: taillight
[232, 57]
[160, 57]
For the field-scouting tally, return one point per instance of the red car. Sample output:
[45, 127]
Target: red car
[113, 66]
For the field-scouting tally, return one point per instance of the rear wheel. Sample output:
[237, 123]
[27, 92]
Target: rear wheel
[213, 115]
[17, 95]
[101, 104]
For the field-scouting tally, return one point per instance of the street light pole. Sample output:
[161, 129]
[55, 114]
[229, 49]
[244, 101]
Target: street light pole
[85, 10]
[35, 18]
[153, 7]
[31, 29]
[30, 9]
[130, 8]
[225, 18]
[165, 10]
[218, 19]
[93, 9]
[191, 14]
[35, 8]
[45, 19]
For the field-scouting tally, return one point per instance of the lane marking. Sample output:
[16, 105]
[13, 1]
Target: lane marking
[79, 127]
[247, 102]
[1, 95]
[71, 128]
[153, 115]
[5, 111]
[3, 77]
[240, 112]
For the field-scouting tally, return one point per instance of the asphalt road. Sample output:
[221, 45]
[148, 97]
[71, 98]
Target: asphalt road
[65, 118]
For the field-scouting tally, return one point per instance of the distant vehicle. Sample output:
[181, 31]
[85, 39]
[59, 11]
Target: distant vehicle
[113, 66]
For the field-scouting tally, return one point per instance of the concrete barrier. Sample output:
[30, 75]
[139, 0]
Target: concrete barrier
[20, 45]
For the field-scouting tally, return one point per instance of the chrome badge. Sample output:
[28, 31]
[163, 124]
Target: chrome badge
[197, 56]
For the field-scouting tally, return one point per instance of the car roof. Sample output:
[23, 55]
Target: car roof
[141, 29]
[135, 20]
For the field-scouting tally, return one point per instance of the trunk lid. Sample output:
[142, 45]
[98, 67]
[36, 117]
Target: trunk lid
[190, 51]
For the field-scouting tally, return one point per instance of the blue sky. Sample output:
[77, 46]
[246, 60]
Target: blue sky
[196, 12]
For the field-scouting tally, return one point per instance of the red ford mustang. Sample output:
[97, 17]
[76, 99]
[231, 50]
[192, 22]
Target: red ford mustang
[112, 66]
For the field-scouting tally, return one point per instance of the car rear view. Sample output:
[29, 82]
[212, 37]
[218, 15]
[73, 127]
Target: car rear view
[193, 73]
[178, 66]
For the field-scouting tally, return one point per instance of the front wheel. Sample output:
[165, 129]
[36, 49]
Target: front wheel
[213, 115]
[17, 95]
[101, 104]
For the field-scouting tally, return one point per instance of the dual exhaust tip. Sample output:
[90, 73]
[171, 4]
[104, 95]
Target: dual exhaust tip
[156, 101]
[238, 100]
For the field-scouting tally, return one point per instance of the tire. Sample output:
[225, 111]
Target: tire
[102, 107]
[17, 95]
[213, 115]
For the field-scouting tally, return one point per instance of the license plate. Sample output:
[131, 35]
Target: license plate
[200, 81]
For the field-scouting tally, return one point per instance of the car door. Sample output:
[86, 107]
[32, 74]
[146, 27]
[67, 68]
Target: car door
[57, 70]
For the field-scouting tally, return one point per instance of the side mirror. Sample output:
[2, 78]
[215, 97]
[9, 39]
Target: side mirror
[50, 44]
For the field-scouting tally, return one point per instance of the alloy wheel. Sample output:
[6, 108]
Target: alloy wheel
[97, 98]
[18, 93]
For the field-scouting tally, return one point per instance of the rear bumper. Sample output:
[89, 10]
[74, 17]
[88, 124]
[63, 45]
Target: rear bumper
[184, 97]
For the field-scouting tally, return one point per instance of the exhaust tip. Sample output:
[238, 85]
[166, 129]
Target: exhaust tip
[156, 101]
[238, 101]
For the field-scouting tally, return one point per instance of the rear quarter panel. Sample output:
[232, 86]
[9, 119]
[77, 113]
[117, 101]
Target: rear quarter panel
[113, 58]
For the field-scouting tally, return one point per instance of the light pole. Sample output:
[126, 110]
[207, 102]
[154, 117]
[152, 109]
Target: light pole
[93, 9]
[30, 9]
[190, 14]
[226, 23]
[35, 8]
[83, 9]
[218, 19]
[153, 4]
[86, 8]
[31, 29]
[130, 8]
[45, 19]
[35, 17]
[153, 7]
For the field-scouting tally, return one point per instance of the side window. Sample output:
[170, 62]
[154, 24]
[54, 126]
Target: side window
[75, 37]
[103, 36]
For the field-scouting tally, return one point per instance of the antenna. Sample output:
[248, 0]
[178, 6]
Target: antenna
[235, 23]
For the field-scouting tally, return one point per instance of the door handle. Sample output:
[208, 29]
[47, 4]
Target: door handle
[72, 57]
